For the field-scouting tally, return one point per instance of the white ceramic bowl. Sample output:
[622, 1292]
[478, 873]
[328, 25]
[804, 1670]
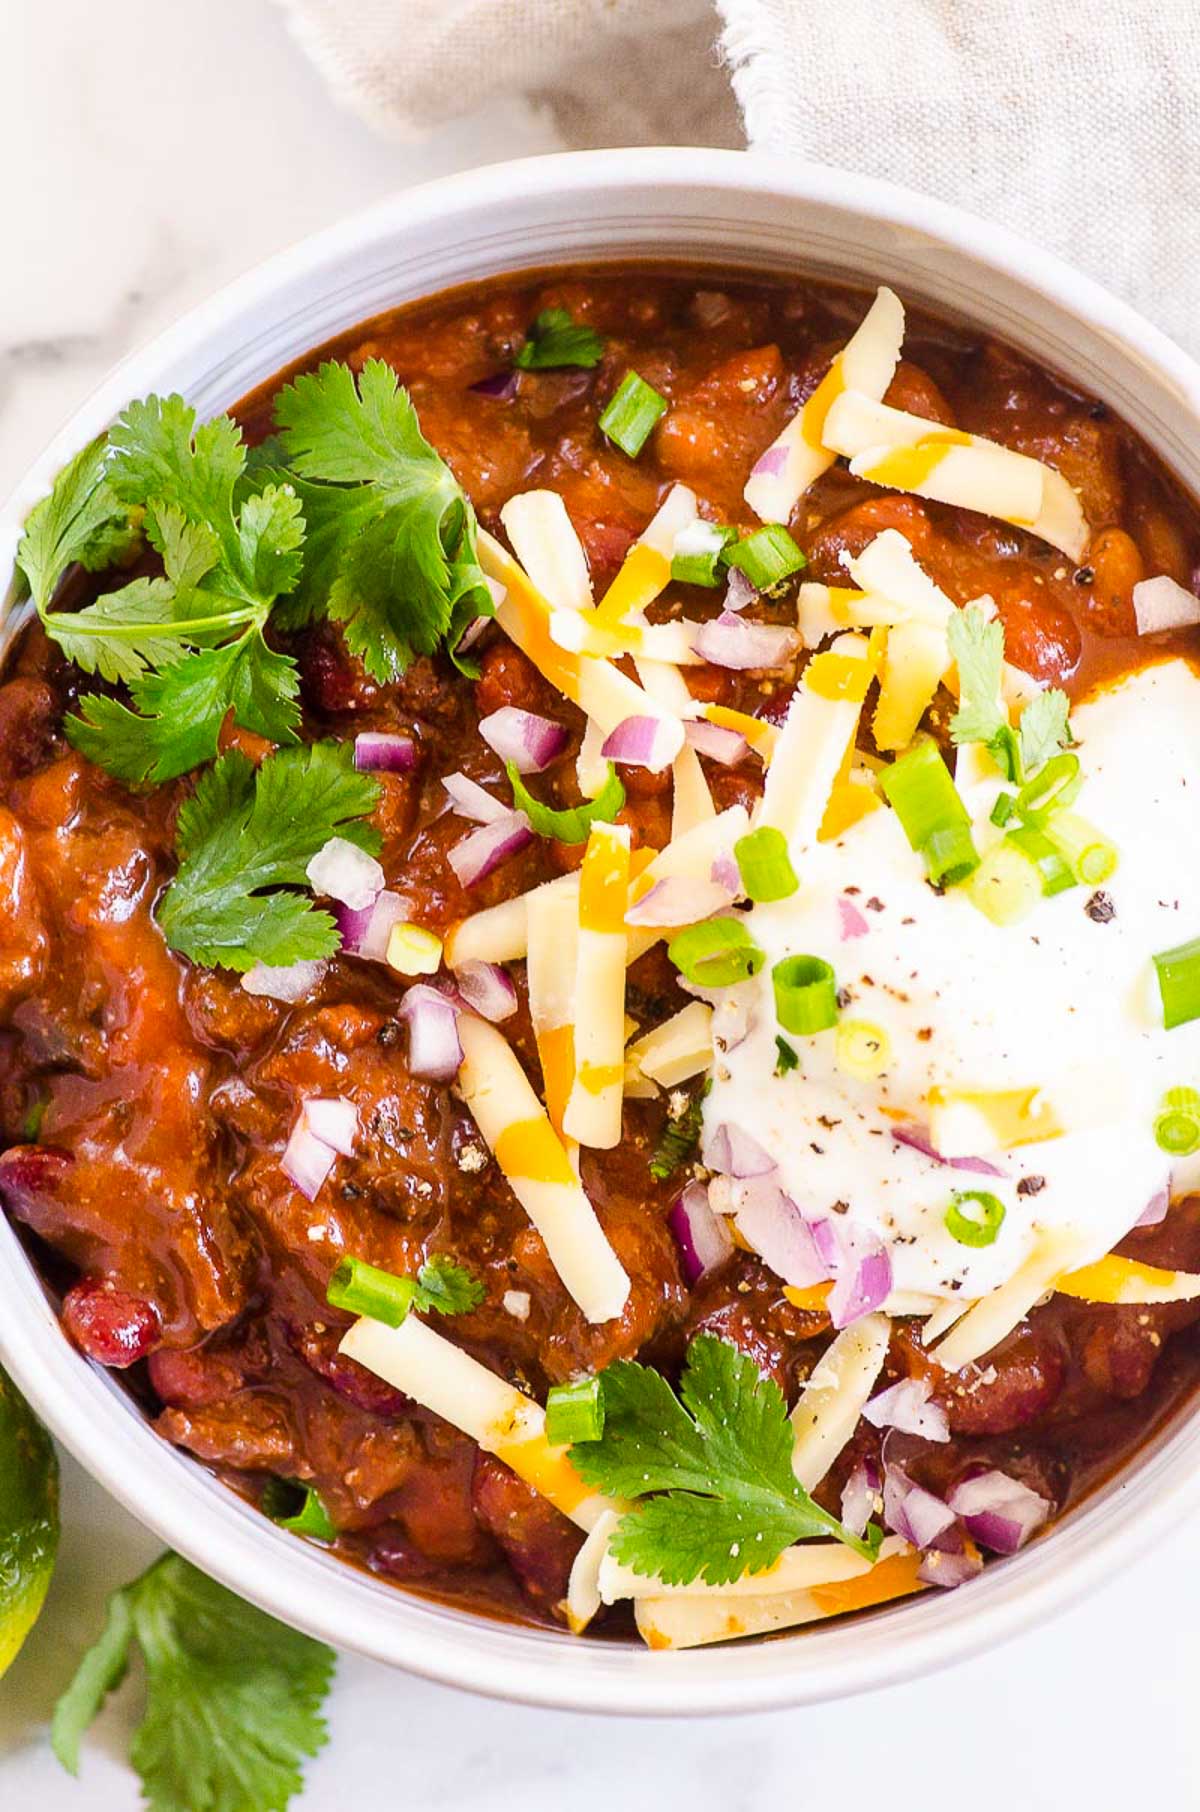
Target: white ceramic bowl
[730, 209]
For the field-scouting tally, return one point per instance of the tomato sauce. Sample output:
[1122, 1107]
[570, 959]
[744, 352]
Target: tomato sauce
[144, 1103]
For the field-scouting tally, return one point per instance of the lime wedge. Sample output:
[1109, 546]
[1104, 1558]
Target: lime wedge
[28, 1518]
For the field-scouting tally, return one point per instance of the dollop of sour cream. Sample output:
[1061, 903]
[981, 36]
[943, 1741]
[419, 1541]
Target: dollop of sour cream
[1064, 1001]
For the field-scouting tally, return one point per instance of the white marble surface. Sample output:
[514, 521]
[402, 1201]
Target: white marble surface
[150, 149]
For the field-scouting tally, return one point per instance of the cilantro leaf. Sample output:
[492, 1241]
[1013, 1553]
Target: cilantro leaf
[233, 1698]
[81, 520]
[246, 830]
[446, 1286]
[572, 824]
[555, 340]
[787, 1059]
[168, 639]
[391, 549]
[721, 1456]
[1045, 727]
[976, 645]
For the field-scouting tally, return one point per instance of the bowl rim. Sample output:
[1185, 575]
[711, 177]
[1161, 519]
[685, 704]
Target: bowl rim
[160, 1486]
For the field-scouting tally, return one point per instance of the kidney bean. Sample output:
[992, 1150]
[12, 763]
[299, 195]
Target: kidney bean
[1117, 564]
[351, 1381]
[110, 1326]
[31, 1178]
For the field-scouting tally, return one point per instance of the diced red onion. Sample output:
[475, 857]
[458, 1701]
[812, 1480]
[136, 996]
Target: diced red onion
[1000, 1512]
[950, 1560]
[774, 1226]
[434, 1050]
[702, 1237]
[733, 1015]
[1155, 1210]
[475, 858]
[678, 900]
[289, 982]
[860, 1495]
[334, 1120]
[911, 1512]
[730, 641]
[732, 1151]
[488, 989]
[861, 1267]
[641, 742]
[769, 464]
[714, 740]
[1162, 603]
[366, 933]
[917, 1138]
[477, 625]
[530, 742]
[377, 753]
[340, 870]
[501, 384]
[470, 800]
[739, 591]
[853, 922]
[907, 1406]
[306, 1160]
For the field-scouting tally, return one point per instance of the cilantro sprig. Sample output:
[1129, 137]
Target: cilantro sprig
[441, 1285]
[977, 646]
[246, 837]
[233, 1698]
[555, 340]
[571, 823]
[189, 644]
[714, 1464]
[391, 551]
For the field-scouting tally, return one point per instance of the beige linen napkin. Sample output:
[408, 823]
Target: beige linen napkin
[1075, 121]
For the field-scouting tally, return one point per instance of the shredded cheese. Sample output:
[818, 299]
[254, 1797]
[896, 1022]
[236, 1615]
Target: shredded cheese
[1126, 1280]
[546, 544]
[593, 1113]
[819, 728]
[678, 1049]
[798, 1568]
[672, 1622]
[583, 1598]
[830, 1404]
[987, 1322]
[908, 453]
[798, 456]
[601, 690]
[517, 1130]
[442, 1378]
[553, 920]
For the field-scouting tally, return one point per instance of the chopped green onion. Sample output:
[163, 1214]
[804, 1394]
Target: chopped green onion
[974, 1217]
[861, 1049]
[767, 557]
[716, 953]
[805, 994]
[573, 823]
[1051, 790]
[1006, 885]
[1057, 874]
[698, 550]
[1002, 811]
[632, 411]
[1086, 850]
[363, 1289]
[311, 1518]
[787, 1059]
[950, 855]
[555, 341]
[35, 1113]
[932, 813]
[1177, 1125]
[764, 865]
[575, 1412]
[1178, 973]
